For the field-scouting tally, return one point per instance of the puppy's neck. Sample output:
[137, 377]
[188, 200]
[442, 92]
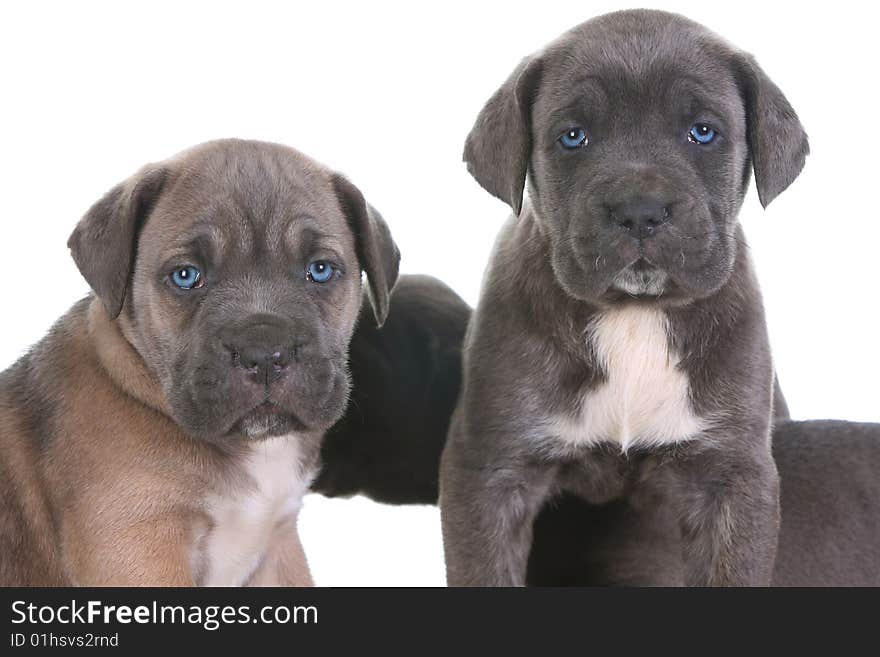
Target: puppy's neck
[121, 361]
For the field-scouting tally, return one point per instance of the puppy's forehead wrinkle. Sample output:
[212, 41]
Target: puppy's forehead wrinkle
[256, 294]
[308, 236]
[205, 240]
[690, 86]
[265, 185]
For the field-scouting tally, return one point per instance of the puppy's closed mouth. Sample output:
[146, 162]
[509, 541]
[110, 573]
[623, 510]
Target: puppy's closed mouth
[267, 408]
[642, 278]
[268, 419]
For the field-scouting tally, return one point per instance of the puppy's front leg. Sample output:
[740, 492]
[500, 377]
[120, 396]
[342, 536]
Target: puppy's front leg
[487, 509]
[285, 561]
[730, 520]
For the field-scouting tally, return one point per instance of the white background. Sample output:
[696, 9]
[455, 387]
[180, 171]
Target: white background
[386, 93]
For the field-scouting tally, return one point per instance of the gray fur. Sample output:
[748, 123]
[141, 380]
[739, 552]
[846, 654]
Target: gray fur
[636, 80]
[829, 533]
[383, 448]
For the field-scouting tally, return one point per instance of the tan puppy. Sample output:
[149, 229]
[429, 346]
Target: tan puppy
[165, 430]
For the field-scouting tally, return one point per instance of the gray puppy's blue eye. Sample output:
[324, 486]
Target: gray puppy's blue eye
[573, 138]
[187, 277]
[700, 133]
[320, 271]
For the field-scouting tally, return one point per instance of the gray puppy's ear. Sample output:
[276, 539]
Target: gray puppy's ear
[777, 140]
[376, 251]
[499, 146]
[104, 242]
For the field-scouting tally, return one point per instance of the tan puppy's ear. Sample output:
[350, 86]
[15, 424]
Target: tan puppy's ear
[104, 242]
[777, 140]
[376, 251]
[499, 146]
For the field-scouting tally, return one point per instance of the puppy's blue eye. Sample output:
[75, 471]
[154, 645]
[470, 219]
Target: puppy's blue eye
[573, 138]
[187, 277]
[320, 271]
[700, 133]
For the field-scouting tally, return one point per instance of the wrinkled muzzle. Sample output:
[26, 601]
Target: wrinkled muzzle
[262, 376]
[642, 234]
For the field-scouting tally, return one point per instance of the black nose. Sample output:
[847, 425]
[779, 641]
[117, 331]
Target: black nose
[641, 216]
[263, 347]
[265, 363]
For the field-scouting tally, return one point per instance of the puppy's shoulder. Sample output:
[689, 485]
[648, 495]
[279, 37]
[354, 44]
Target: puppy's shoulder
[34, 389]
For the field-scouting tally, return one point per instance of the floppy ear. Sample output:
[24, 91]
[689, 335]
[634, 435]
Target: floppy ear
[104, 242]
[499, 146]
[376, 251]
[777, 140]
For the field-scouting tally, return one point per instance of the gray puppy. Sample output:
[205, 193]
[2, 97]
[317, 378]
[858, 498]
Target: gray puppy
[829, 533]
[619, 348]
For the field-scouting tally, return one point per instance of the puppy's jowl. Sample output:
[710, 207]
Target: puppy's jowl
[619, 347]
[165, 430]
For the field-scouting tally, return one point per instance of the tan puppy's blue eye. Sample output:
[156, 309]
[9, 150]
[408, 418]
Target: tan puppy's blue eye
[572, 138]
[700, 133]
[187, 277]
[320, 271]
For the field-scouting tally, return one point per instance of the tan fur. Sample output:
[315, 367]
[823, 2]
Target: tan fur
[133, 450]
[31, 530]
[130, 494]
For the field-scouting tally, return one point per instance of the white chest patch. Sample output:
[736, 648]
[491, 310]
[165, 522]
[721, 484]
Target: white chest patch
[645, 400]
[244, 520]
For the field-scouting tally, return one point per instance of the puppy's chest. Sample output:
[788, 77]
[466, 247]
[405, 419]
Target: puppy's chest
[244, 520]
[644, 400]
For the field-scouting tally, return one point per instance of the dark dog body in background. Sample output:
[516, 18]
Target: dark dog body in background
[830, 489]
[405, 380]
